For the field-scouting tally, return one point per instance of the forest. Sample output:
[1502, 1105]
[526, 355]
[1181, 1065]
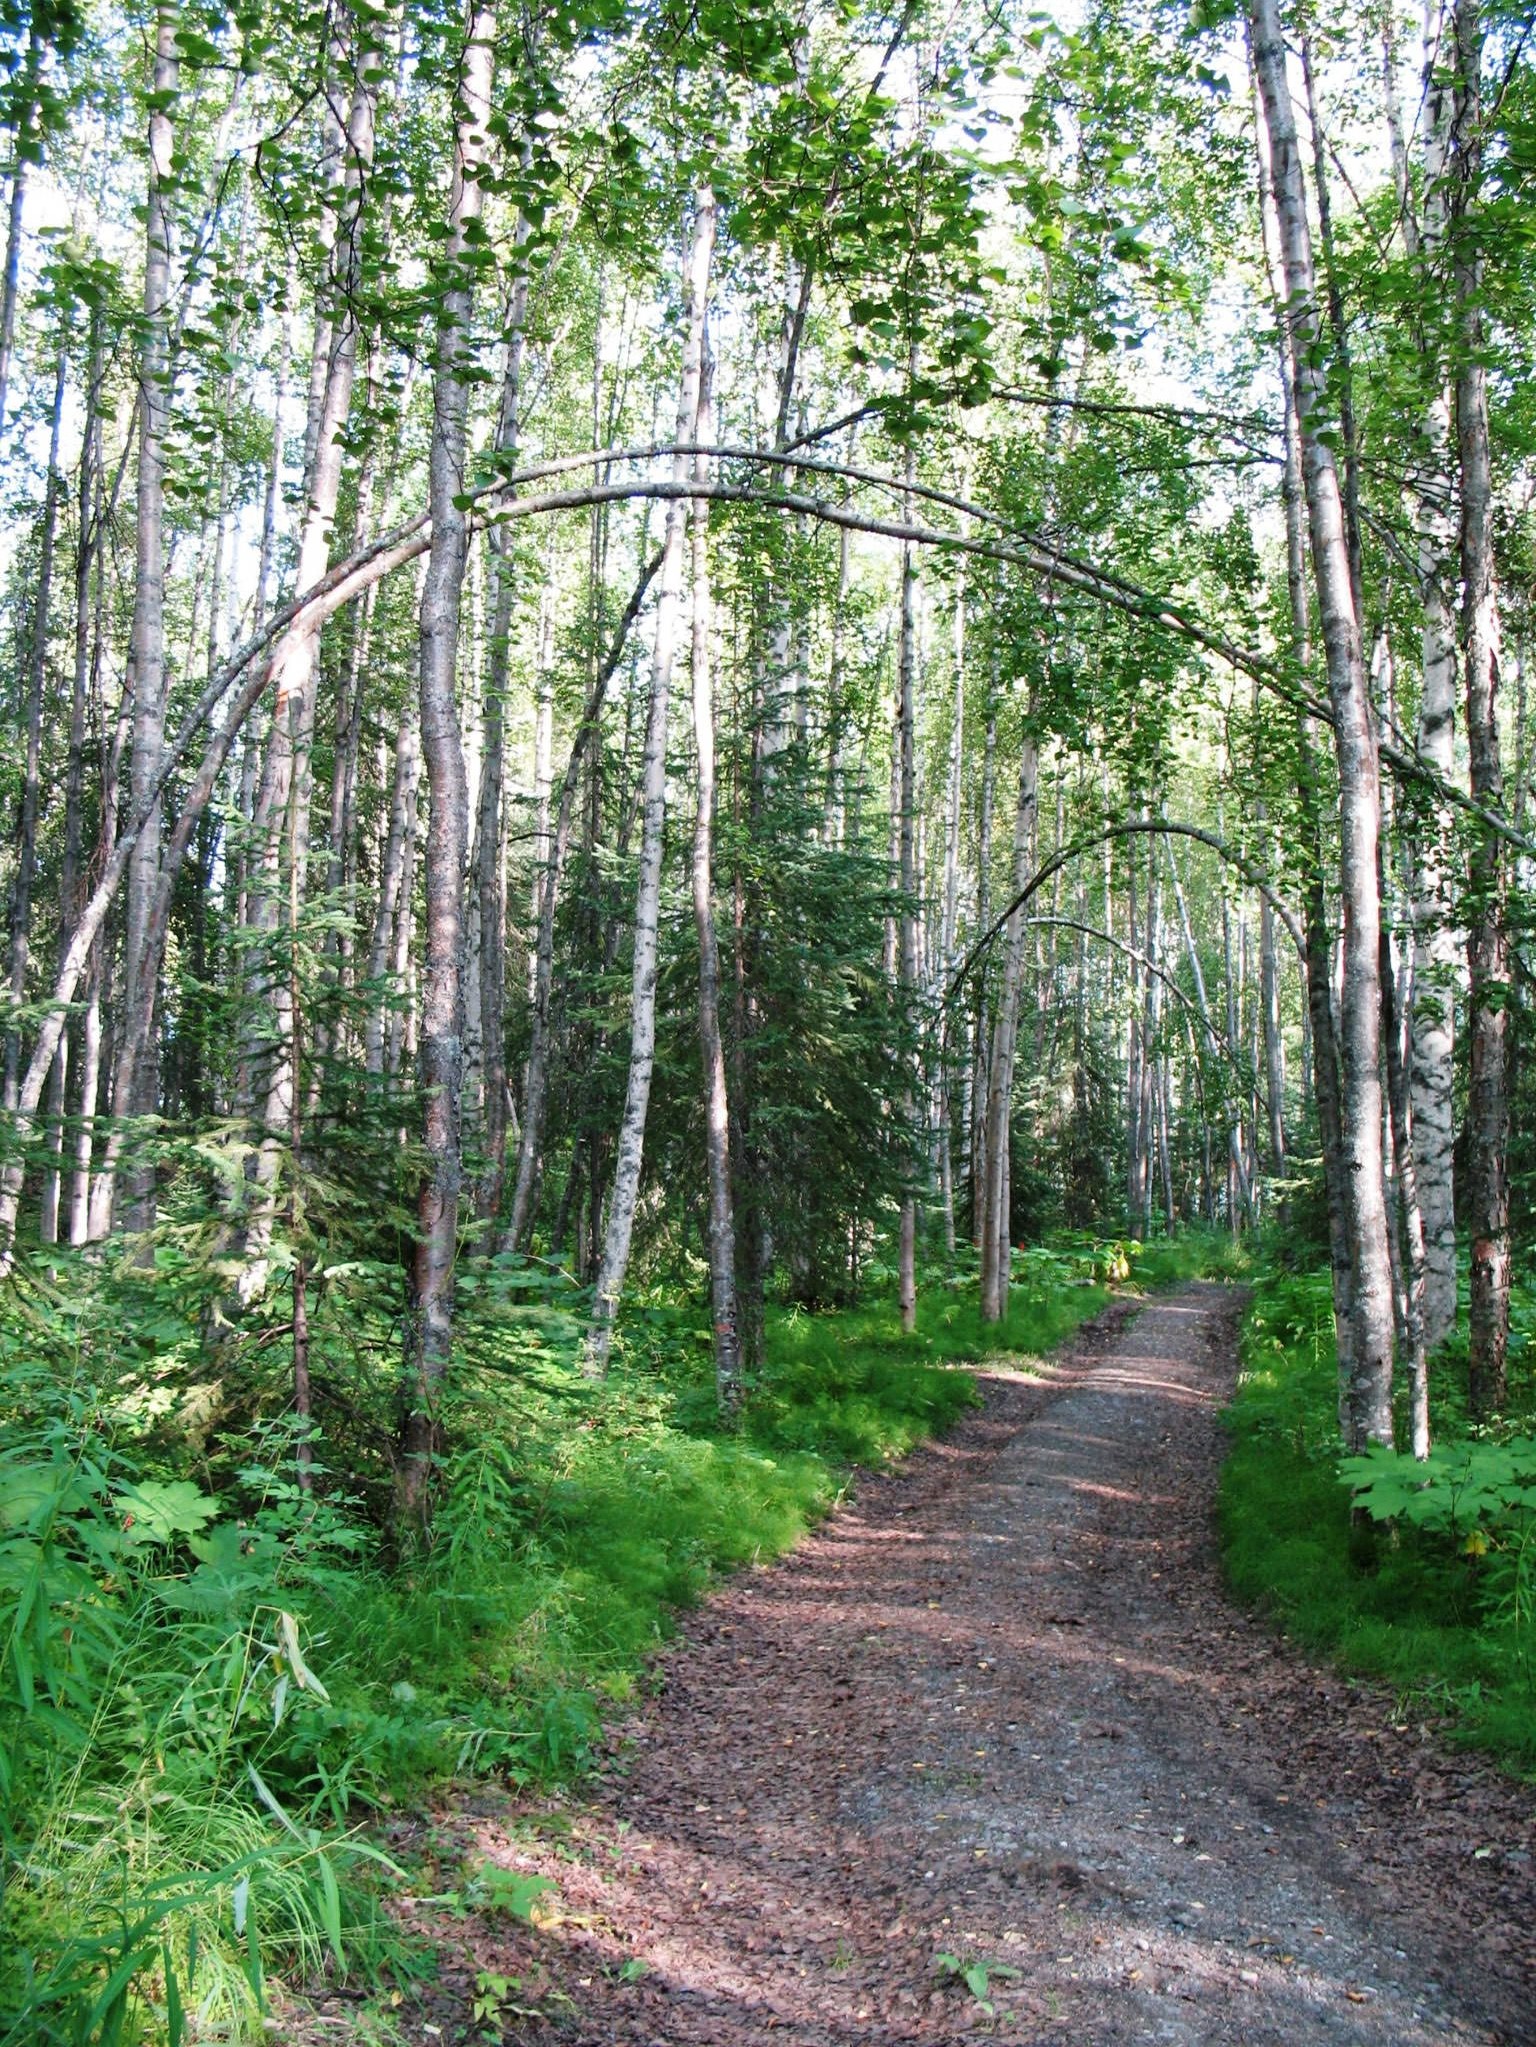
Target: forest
[712, 710]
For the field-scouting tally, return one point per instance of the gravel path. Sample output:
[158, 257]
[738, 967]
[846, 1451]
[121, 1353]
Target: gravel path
[999, 1709]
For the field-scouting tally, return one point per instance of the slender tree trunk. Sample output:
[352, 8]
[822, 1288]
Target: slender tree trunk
[10, 285]
[949, 925]
[12, 278]
[1436, 949]
[837, 712]
[71, 878]
[1410, 1216]
[1368, 1390]
[136, 1078]
[1135, 1050]
[996, 1239]
[48, 1222]
[631, 1140]
[717, 1117]
[1153, 1118]
[31, 786]
[906, 746]
[1320, 1038]
[392, 867]
[272, 502]
[1338, 333]
[430, 1338]
[490, 890]
[299, 1278]
[544, 730]
[979, 1021]
[1273, 1040]
[1488, 930]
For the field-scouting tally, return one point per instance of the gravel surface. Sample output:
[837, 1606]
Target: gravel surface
[999, 1709]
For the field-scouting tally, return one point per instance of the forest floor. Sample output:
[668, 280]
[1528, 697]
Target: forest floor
[999, 1713]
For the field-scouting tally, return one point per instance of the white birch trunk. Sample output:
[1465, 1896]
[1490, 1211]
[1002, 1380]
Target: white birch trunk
[430, 1336]
[136, 1074]
[1437, 966]
[721, 1227]
[1368, 1389]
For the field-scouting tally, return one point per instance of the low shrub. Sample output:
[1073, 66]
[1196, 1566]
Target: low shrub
[1439, 1601]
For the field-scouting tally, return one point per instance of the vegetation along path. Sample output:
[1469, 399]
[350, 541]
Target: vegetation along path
[1000, 1711]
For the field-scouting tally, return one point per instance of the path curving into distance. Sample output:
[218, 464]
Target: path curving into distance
[999, 1707]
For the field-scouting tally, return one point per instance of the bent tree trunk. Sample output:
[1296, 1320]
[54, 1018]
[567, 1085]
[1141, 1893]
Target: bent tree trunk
[653, 777]
[1367, 1390]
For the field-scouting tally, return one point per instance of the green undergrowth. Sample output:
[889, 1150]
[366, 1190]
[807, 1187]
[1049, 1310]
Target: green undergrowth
[214, 1678]
[1435, 1597]
[576, 1521]
[1164, 1262]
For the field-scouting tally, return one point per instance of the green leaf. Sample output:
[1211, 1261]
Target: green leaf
[175, 2019]
[495, 1889]
[154, 1511]
[330, 1908]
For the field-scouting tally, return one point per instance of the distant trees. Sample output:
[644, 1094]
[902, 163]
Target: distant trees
[458, 378]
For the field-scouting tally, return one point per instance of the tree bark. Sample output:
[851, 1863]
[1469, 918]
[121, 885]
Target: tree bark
[12, 279]
[1273, 1039]
[1488, 929]
[979, 1022]
[907, 972]
[1368, 1389]
[1410, 1215]
[721, 1229]
[136, 1078]
[1432, 1020]
[31, 786]
[1320, 1039]
[430, 1334]
[390, 906]
[490, 888]
[996, 1239]
[949, 925]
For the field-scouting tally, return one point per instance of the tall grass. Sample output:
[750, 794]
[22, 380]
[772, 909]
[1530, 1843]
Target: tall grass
[150, 1685]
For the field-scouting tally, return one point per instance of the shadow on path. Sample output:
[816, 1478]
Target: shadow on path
[998, 1708]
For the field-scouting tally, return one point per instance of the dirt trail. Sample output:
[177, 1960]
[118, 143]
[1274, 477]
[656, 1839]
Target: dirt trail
[999, 1708]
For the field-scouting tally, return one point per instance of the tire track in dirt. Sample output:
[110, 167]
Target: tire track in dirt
[999, 1708]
